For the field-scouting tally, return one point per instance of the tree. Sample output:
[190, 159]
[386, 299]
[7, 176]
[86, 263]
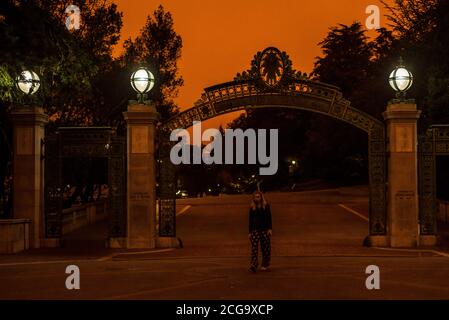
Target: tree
[346, 58]
[98, 43]
[69, 64]
[436, 101]
[336, 150]
[423, 30]
[100, 26]
[34, 36]
[413, 20]
[158, 47]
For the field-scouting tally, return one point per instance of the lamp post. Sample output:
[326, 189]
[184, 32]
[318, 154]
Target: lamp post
[141, 119]
[401, 119]
[29, 132]
[142, 81]
[292, 167]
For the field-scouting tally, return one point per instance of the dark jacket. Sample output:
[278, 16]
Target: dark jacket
[260, 218]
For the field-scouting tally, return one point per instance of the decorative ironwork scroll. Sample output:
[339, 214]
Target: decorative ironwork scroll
[166, 189]
[377, 181]
[84, 141]
[52, 188]
[271, 81]
[435, 142]
[117, 190]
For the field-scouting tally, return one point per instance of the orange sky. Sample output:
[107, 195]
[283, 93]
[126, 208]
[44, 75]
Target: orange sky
[221, 37]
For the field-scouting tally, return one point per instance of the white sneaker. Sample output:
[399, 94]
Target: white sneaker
[264, 268]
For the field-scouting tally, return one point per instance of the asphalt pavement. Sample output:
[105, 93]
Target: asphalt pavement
[317, 254]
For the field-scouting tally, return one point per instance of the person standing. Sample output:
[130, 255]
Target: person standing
[260, 231]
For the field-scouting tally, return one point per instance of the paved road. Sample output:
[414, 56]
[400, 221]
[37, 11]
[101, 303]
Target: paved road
[317, 254]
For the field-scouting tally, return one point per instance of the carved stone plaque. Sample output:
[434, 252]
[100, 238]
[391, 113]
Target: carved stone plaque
[25, 141]
[404, 138]
[139, 136]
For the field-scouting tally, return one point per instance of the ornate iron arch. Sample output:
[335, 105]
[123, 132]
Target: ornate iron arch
[271, 81]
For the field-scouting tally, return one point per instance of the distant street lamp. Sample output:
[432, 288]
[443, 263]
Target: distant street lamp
[142, 82]
[401, 80]
[28, 82]
[292, 167]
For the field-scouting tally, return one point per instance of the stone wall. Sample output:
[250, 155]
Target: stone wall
[443, 211]
[14, 235]
[79, 216]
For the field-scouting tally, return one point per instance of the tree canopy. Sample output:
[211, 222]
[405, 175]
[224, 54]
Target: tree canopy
[159, 47]
[82, 83]
[418, 31]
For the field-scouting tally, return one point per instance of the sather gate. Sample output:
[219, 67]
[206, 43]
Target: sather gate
[400, 214]
[272, 82]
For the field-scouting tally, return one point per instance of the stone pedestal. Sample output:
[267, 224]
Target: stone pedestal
[402, 190]
[14, 235]
[377, 241]
[141, 190]
[168, 242]
[28, 185]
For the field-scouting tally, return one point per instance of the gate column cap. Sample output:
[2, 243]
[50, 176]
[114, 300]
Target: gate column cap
[141, 114]
[26, 115]
[402, 110]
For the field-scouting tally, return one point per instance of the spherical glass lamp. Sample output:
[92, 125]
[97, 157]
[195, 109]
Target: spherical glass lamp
[142, 82]
[28, 82]
[401, 80]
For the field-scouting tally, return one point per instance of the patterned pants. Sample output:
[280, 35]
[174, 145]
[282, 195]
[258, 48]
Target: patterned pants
[265, 244]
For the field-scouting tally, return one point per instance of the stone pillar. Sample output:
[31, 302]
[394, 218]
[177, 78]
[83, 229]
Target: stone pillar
[141, 185]
[402, 189]
[28, 174]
